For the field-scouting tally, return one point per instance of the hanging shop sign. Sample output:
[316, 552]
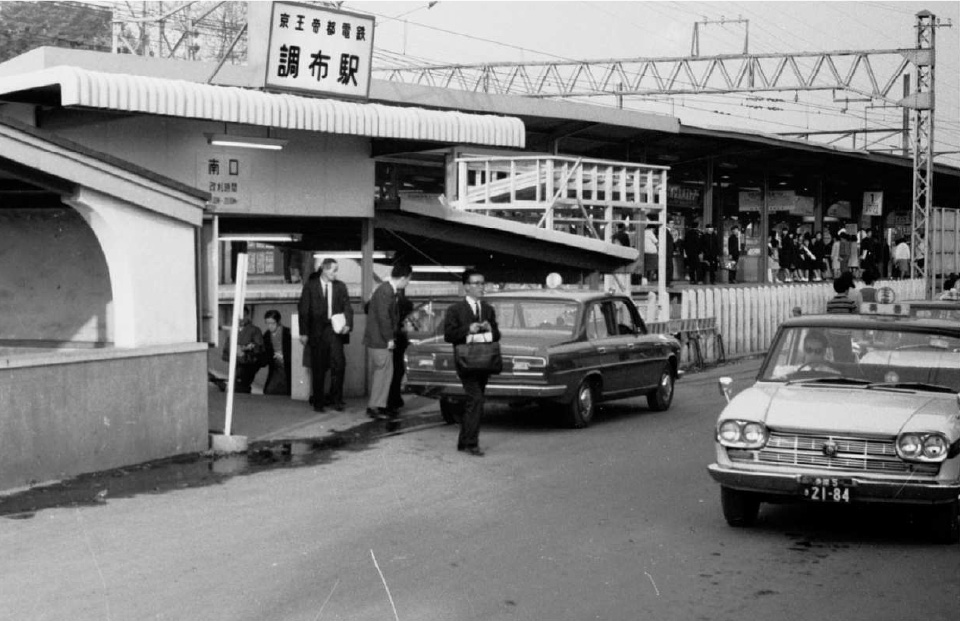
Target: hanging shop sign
[872, 203]
[319, 50]
[803, 206]
[782, 200]
[683, 196]
[839, 209]
[226, 177]
[751, 200]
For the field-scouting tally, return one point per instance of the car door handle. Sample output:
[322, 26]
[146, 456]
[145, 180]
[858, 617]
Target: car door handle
[601, 350]
[630, 346]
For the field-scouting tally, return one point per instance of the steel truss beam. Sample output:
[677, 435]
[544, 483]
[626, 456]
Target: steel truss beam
[853, 71]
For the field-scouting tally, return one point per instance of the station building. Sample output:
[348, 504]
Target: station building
[131, 184]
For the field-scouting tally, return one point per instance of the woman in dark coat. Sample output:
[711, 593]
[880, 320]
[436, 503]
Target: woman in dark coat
[276, 342]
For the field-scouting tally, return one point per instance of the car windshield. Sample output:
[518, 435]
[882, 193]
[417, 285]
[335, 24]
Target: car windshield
[887, 355]
[535, 317]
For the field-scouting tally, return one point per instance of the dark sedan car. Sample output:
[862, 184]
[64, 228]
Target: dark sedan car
[573, 349]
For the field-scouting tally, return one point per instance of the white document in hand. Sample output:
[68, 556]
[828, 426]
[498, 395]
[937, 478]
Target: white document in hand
[338, 322]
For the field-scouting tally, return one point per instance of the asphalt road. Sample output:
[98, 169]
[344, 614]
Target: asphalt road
[619, 521]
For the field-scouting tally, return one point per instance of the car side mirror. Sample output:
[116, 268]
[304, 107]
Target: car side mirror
[726, 387]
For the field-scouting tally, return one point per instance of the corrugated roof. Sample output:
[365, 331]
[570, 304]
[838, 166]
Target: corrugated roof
[180, 98]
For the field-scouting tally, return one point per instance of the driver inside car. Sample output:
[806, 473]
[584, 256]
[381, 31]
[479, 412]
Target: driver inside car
[814, 349]
[815, 353]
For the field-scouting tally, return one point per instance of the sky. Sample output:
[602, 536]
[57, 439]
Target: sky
[451, 31]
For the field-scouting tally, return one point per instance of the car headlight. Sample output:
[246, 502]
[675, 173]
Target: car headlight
[929, 447]
[529, 363]
[742, 434]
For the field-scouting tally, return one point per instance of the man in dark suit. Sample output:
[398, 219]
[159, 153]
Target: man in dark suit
[467, 321]
[733, 249]
[321, 301]
[404, 307]
[692, 252]
[710, 245]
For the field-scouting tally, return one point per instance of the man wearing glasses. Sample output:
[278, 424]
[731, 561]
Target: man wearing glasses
[471, 320]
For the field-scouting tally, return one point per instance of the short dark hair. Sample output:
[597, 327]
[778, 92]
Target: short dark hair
[401, 270]
[327, 263]
[468, 273]
[869, 276]
[735, 227]
[843, 283]
[272, 314]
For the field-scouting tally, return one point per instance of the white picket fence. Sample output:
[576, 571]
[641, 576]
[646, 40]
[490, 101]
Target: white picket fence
[747, 317]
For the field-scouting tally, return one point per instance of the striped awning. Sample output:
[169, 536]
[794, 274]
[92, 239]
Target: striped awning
[230, 104]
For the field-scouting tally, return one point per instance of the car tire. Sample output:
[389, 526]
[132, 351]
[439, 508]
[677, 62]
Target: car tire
[740, 509]
[583, 406]
[451, 410]
[945, 522]
[661, 397]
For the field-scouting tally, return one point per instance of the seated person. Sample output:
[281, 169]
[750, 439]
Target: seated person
[815, 353]
[249, 352]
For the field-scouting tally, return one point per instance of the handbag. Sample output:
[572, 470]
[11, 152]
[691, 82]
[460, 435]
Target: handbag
[484, 357]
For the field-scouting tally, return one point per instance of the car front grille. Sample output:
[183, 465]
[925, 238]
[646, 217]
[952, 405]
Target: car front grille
[852, 455]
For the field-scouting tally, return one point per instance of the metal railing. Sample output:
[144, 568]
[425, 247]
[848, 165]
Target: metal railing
[574, 195]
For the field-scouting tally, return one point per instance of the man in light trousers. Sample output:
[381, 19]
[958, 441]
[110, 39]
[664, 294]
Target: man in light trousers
[380, 338]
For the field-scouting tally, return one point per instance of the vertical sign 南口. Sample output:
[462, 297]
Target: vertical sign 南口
[224, 176]
[319, 50]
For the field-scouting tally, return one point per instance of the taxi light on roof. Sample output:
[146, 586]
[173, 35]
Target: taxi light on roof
[894, 310]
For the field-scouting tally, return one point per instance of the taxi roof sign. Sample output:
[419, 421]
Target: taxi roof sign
[886, 295]
[875, 308]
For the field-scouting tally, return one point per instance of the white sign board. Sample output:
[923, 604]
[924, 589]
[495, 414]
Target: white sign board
[226, 176]
[319, 50]
[872, 203]
[750, 200]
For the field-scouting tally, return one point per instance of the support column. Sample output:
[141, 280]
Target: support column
[765, 226]
[708, 193]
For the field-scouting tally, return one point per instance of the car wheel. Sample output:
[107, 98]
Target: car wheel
[944, 526]
[662, 396]
[739, 508]
[581, 409]
[451, 410]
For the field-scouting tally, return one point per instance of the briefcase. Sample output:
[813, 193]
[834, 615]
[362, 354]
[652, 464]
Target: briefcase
[479, 357]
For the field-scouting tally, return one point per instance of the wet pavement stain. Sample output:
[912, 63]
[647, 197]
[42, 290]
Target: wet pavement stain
[198, 470]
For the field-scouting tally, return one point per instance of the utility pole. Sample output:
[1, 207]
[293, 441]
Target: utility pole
[922, 104]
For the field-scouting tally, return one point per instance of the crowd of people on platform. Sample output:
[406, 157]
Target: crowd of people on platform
[794, 255]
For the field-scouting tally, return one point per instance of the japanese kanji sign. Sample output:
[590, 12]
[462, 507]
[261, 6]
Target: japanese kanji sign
[225, 176]
[872, 203]
[319, 50]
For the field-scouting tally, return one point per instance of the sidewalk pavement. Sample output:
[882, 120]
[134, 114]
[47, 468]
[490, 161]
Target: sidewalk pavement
[270, 418]
[265, 419]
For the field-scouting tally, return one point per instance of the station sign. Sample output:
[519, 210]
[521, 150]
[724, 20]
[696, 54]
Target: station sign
[319, 50]
[226, 176]
[872, 203]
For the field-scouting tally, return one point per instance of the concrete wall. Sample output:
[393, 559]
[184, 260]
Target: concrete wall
[80, 412]
[54, 282]
[314, 175]
[152, 270]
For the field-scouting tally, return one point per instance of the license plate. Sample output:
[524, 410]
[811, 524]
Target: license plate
[825, 490]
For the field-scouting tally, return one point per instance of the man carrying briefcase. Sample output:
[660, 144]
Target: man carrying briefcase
[469, 321]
